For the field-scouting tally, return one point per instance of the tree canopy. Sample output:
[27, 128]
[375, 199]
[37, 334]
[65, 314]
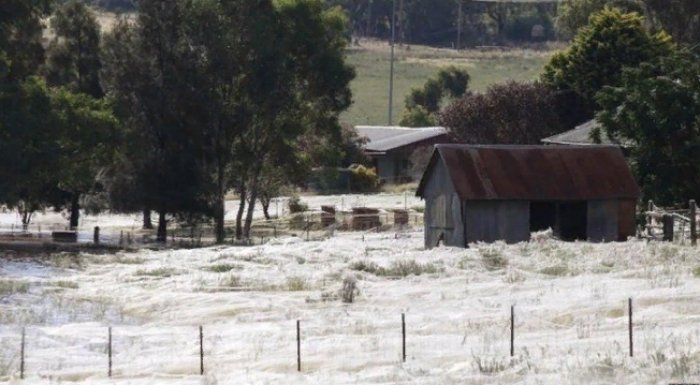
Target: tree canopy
[611, 41]
[655, 111]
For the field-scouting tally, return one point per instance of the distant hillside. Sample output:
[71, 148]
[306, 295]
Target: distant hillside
[415, 64]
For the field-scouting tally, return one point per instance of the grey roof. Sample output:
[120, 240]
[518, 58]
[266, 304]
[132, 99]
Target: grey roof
[581, 135]
[386, 138]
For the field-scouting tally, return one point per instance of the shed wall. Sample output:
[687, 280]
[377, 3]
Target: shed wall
[443, 210]
[491, 221]
[627, 210]
[602, 220]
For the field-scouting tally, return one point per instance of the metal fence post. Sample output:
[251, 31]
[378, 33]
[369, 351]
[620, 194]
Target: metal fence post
[109, 351]
[512, 330]
[298, 347]
[629, 301]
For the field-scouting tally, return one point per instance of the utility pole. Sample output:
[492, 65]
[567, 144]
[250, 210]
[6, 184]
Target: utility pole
[368, 30]
[402, 23]
[391, 68]
[459, 25]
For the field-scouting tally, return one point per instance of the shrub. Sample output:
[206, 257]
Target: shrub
[556, 270]
[296, 284]
[493, 259]
[222, 267]
[363, 179]
[8, 287]
[164, 272]
[396, 269]
[349, 290]
[296, 205]
[231, 281]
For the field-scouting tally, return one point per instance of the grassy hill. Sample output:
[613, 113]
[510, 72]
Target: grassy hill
[414, 64]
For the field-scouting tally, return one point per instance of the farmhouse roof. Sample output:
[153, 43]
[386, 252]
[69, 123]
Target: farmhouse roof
[498, 172]
[387, 138]
[581, 135]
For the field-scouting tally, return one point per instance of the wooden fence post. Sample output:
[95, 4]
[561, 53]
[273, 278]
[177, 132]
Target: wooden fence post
[668, 227]
[109, 351]
[403, 337]
[629, 301]
[96, 235]
[693, 223]
[512, 330]
[201, 350]
[298, 347]
[21, 359]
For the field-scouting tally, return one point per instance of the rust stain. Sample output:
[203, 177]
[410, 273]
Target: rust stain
[501, 172]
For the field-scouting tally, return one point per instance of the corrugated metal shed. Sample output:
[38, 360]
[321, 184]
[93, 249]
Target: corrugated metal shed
[386, 138]
[535, 173]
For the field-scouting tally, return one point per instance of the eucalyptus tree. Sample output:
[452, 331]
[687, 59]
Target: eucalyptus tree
[150, 71]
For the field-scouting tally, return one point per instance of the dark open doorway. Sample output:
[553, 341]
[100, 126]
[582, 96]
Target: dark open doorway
[543, 215]
[573, 221]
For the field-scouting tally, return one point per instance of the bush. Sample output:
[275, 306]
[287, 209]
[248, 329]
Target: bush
[363, 179]
[296, 284]
[296, 205]
[349, 290]
[493, 259]
[396, 269]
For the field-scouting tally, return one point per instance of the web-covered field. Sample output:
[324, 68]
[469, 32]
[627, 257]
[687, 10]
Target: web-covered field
[570, 304]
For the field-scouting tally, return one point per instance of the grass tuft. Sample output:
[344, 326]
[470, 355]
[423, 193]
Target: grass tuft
[163, 272]
[10, 286]
[223, 267]
[396, 269]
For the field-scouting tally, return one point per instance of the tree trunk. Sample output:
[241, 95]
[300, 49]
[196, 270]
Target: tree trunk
[74, 211]
[219, 219]
[251, 209]
[239, 215]
[220, 209]
[26, 219]
[147, 223]
[265, 203]
[162, 233]
[251, 203]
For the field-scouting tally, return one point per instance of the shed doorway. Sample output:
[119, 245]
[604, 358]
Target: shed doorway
[568, 220]
[573, 221]
[543, 215]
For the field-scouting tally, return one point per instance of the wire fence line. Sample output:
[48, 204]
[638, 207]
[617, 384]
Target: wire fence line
[310, 226]
[299, 344]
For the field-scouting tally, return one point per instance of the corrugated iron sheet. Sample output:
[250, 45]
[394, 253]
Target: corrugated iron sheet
[535, 172]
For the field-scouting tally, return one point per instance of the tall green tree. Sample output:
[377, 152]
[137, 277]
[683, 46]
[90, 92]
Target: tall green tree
[573, 15]
[613, 40]
[422, 104]
[73, 62]
[73, 56]
[150, 70]
[680, 18]
[86, 137]
[312, 67]
[27, 153]
[29, 150]
[656, 112]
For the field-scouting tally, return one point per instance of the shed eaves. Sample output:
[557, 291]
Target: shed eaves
[386, 138]
[539, 173]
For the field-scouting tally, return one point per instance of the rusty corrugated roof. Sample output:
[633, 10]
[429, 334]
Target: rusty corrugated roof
[499, 172]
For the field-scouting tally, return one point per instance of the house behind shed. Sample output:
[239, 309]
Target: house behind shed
[489, 193]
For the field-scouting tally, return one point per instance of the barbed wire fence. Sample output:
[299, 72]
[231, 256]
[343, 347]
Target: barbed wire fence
[491, 341]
